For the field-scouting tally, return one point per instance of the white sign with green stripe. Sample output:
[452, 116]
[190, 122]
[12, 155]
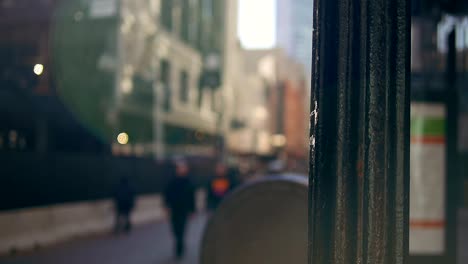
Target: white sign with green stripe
[428, 173]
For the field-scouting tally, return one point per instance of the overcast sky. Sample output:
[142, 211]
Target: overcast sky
[257, 23]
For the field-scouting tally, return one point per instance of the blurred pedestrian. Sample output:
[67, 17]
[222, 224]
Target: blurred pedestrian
[124, 199]
[219, 186]
[179, 198]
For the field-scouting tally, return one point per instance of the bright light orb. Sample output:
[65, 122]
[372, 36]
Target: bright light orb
[38, 69]
[123, 138]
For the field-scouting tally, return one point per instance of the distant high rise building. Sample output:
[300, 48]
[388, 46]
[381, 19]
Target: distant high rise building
[294, 29]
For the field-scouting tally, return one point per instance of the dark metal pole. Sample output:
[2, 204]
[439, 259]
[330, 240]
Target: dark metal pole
[453, 175]
[359, 172]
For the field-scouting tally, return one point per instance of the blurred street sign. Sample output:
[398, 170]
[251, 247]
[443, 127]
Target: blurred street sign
[211, 79]
[212, 62]
[428, 179]
[430, 6]
[237, 124]
[211, 76]
[102, 8]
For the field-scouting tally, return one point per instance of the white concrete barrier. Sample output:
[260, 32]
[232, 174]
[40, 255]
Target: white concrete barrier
[26, 229]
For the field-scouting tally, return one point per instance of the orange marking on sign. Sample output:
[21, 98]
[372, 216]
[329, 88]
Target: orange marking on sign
[427, 224]
[428, 139]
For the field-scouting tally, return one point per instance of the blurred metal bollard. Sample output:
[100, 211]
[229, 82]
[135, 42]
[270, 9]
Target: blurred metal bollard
[263, 222]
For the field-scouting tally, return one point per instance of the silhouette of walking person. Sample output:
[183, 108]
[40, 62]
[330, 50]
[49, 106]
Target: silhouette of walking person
[124, 199]
[180, 202]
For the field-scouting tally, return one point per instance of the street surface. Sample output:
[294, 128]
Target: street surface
[150, 244]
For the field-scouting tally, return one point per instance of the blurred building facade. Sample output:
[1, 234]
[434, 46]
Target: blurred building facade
[296, 119]
[33, 119]
[111, 84]
[251, 109]
[274, 108]
[294, 30]
[156, 71]
[183, 57]
[289, 102]
[170, 76]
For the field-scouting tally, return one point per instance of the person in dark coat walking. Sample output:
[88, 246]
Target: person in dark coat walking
[124, 199]
[179, 198]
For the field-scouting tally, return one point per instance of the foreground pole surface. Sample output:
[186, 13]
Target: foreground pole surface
[359, 173]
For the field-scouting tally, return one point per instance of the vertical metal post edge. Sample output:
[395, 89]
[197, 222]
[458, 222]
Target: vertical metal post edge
[359, 132]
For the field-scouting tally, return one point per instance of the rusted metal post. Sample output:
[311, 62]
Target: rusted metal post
[359, 172]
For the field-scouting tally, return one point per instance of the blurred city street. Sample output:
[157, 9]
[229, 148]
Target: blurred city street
[149, 244]
[121, 112]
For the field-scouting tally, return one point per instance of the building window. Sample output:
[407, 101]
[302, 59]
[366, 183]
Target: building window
[185, 25]
[184, 87]
[194, 23]
[166, 14]
[206, 25]
[213, 101]
[200, 92]
[166, 82]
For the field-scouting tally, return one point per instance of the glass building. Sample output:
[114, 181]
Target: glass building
[294, 30]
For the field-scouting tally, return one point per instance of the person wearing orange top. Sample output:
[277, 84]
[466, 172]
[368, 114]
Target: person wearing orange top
[219, 186]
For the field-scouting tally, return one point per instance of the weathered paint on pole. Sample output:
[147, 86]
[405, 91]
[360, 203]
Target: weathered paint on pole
[360, 125]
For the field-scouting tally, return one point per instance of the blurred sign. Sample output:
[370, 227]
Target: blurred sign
[428, 178]
[102, 8]
[420, 7]
[211, 79]
[237, 124]
[212, 62]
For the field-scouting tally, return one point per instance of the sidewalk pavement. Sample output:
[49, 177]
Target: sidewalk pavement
[149, 244]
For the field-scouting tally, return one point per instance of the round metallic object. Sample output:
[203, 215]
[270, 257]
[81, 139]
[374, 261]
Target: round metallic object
[263, 222]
